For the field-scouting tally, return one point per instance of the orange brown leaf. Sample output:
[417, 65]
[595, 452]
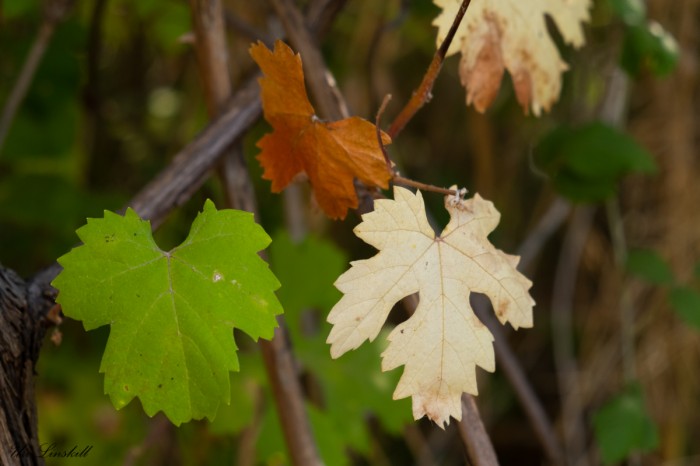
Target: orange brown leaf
[331, 154]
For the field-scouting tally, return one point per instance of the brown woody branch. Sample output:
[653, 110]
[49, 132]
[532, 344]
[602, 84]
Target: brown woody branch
[422, 95]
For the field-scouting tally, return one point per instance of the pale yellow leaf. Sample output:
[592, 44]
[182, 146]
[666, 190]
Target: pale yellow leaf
[443, 342]
[512, 34]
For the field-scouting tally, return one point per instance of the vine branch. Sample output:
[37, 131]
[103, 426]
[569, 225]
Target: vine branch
[422, 95]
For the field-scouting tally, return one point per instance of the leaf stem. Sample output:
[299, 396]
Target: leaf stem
[398, 179]
[386, 100]
[422, 95]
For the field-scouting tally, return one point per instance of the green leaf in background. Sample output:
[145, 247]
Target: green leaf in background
[171, 313]
[686, 302]
[632, 12]
[649, 266]
[585, 163]
[354, 386]
[623, 425]
[649, 47]
[696, 272]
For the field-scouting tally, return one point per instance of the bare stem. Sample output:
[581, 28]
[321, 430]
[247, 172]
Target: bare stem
[377, 125]
[398, 179]
[556, 214]
[562, 323]
[627, 311]
[474, 435]
[423, 94]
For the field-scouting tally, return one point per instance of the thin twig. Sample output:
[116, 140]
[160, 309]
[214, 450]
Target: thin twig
[422, 95]
[474, 436]
[562, 332]
[279, 362]
[627, 311]
[554, 217]
[398, 179]
[377, 125]
[54, 13]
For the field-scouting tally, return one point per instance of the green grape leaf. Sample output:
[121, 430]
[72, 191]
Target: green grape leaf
[649, 47]
[585, 163]
[623, 425]
[171, 313]
[686, 302]
[649, 266]
[632, 12]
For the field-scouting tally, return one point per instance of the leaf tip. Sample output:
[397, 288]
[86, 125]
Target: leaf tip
[209, 206]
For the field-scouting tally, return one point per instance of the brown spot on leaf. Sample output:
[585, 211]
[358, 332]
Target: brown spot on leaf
[522, 83]
[483, 78]
[501, 309]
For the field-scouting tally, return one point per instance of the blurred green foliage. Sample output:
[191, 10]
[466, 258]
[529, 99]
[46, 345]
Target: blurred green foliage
[686, 302]
[649, 266]
[586, 163]
[623, 426]
[684, 298]
[647, 46]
